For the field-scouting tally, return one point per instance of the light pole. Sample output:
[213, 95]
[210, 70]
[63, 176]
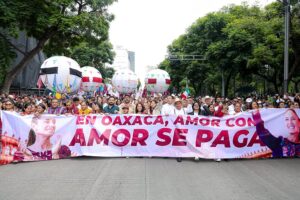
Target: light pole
[267, 67]
[286, 45]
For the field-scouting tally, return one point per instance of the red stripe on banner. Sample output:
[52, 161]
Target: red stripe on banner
[85, 79]
[168, 81]
[97, 80]
[151, 80]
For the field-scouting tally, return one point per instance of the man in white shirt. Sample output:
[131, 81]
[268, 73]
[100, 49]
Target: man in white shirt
[178, 110]
[237, 108]
[187, 106]
[168, 108]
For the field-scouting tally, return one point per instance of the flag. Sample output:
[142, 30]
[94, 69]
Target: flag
[39, 83]
[46, 80]
[68, 85]
[105, 91]
[54, 85]
[186, 92]
[144, 94]
[139, 93]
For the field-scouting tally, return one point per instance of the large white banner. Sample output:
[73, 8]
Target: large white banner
[246, 135]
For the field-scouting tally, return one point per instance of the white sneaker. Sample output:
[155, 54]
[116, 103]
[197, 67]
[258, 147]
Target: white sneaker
[218, 160]
[197, 158]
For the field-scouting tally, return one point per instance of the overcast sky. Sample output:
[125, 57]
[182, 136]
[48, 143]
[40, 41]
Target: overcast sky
[147, 27]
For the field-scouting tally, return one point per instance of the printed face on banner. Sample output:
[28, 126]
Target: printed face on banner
[44, 127]
[292, 123]
[283, 141]
[34, 139]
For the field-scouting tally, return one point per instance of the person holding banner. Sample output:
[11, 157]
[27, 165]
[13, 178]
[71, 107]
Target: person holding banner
[84, 110]
[140, 109]
[111, 108]
[146, 107]
[168, 108]
[56, 109]
[237, 108]
[71, 108]
[39, 146]
[40, 109]
[9, 105]
[294, 105]
[27, 109]
[196, 109]
[125, 110]
[155, 108]
[280, 146]
[97, 108]
[127, 103]
[178, 110]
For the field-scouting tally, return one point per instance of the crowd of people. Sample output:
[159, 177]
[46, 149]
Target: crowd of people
[153, 105]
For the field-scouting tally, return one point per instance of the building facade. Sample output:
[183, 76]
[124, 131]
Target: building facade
[131, 57]
[150, 67]
[124, 59]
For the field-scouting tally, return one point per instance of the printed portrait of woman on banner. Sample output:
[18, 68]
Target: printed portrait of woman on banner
[38, 146]
[288, 146]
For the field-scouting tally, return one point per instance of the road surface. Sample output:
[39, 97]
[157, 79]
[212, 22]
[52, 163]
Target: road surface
[151, 179]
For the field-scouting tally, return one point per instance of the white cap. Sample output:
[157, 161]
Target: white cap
[249, 100]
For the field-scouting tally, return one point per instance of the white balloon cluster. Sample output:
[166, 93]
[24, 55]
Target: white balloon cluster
[61, 74]
[157, 81]
[91, 79]
[125, 81]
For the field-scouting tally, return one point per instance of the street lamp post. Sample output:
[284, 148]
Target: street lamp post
[223, 84]
[286, 45]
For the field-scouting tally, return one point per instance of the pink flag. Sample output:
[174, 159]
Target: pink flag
[39, 83]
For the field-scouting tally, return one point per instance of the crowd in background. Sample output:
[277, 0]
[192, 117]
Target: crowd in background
[128, 104]
[153, 105]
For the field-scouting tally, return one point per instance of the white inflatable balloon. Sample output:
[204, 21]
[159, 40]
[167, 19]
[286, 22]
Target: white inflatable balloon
[91, 79]
[125, 81]
[157, 81]
[61, 74]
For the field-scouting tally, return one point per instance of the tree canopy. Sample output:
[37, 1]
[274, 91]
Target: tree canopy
[76, 28]
[243, 43]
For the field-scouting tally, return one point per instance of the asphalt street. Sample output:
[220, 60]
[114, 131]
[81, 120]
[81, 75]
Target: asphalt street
[151, 179]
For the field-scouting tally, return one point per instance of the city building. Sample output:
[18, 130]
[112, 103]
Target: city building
[131, 57]
[28, 78]
[124, 59]
[150, 67]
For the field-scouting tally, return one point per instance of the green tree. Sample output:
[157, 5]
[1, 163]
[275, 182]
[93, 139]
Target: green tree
[108, 72]
[94, 55]
[58, 25]
[6, 56]
[294, 74]
[244, 43]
